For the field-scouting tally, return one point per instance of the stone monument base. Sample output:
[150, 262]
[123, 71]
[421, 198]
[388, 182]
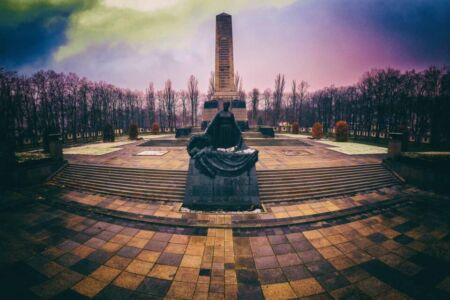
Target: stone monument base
[221, 193]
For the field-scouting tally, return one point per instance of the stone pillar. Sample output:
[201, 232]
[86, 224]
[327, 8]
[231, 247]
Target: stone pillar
[224, 81]
[55, 146]
[395, 144]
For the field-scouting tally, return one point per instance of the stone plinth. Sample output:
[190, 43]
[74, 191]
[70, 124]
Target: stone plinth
[182, 132]
[267, 131]
[55, 146]
[221, 193]
[395, 144]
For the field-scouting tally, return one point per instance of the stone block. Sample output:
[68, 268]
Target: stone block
[221, 193]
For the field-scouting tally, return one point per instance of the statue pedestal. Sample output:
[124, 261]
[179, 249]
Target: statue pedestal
[395, 145]
[221, 193]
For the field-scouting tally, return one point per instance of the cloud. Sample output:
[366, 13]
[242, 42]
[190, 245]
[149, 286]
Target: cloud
[132, 42]
[30, 30]
[36, 32]
[157, 23]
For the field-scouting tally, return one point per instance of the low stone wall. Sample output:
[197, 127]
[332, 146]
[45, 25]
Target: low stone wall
[267, 131]
[31, 173]
[181, 132]
[426, 173]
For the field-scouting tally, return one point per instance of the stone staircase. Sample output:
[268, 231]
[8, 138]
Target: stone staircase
[305, 184]
[148, 184]
[274, 185]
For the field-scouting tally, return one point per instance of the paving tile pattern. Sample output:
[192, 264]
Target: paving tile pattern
[270, 157]
[398, 253]
[288, 213]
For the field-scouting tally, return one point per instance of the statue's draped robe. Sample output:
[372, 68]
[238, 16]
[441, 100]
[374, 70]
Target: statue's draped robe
[224, 131]
[221, 149]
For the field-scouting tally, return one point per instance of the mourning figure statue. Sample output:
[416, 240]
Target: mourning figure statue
[220, 150]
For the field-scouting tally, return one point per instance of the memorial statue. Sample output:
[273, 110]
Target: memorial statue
[221, 149]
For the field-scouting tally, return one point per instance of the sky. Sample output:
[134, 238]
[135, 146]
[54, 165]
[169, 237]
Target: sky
[130, 43]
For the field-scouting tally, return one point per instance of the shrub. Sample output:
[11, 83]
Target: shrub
[108, 133]
[341, 131]
[317, 131]
[155, 128]
[133, 132]
[295, 128]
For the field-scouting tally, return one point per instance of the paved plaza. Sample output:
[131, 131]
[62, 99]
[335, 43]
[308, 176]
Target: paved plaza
[133, 168]
[271, 157]
[67, 243]
[55, 252]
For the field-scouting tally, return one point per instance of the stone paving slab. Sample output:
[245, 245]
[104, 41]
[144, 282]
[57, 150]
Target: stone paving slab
[353, 148]
[400, 253]
[270, 157]
[96, 148]
[274, 214]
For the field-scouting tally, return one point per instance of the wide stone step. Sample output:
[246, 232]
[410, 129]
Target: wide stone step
[334, 193]
[146, 195]
[122, 187]
[312, 178]
[321, 173]
[274, 185]
[275, 188]
[324, 185]
[300, 191]
[121, 170]
[323, 177]
[359, 166]
[317, 171]
[127, 174]
[114, 167]
[115, 182]
[125, 178]
[319, 176]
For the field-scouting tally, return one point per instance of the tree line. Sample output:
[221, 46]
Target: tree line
[382, 101]
[50, 102]
[416, 103]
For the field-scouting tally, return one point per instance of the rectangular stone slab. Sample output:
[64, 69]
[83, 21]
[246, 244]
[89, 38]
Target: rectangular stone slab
[221, 193]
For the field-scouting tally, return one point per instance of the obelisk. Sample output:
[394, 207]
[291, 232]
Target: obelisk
[224, 86]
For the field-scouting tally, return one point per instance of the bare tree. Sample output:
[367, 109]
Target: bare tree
[183, 96]
[267, 95]
[294, 104]
[169, 104]
[277, 98]
[211, 86]
[151, 105]
[303, 89]
[254, 96]
[161, 109]
[382, 101]
[192, 92]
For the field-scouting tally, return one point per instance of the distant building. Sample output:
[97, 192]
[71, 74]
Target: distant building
[224, 86]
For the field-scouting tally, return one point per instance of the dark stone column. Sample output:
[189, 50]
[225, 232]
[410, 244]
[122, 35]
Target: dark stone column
[55, 146]
[395, 144]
